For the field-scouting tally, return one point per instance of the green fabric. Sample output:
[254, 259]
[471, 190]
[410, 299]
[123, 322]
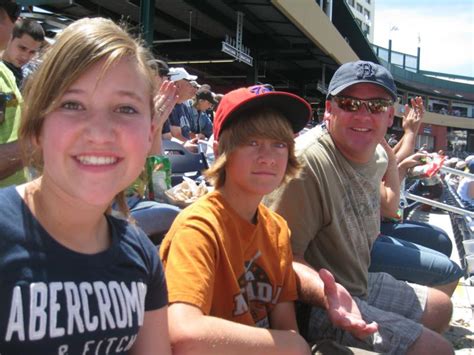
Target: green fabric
[9, 128]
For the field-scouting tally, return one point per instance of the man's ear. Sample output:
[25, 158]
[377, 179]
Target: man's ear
[327, 106]
[327, 112]
[215, 146]
[391, 113]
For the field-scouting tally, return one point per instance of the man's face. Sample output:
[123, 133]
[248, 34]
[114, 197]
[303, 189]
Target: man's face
[6, 27]
[356, 134]
[185, 90]
[21, 50]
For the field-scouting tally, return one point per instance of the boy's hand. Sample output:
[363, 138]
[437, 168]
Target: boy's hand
[342, 310]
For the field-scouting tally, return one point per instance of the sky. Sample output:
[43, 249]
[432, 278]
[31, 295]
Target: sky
[445, 29]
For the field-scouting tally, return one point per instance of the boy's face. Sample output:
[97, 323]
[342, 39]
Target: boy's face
[256, 167]
[21, 50]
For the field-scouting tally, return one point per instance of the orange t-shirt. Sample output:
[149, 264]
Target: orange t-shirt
[226, 266]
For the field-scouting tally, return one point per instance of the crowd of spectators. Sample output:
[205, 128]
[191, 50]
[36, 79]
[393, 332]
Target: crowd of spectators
[233, 271]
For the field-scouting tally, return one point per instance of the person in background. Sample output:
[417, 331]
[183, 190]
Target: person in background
[152, 216]
[74, 278]
[227, 257]
[201, 124]
[180, 118]
[167, 98]
[25, 42]
[465, 188]
[410, 251]
[11, 167]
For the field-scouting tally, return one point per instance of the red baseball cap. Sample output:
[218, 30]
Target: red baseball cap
[296, 110]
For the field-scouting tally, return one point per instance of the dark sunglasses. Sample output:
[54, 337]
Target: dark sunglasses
[12, 9]
[351, 104]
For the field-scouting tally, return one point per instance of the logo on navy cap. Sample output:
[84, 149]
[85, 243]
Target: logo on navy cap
[365, 71]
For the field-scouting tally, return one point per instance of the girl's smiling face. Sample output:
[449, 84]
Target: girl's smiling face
[95, 142]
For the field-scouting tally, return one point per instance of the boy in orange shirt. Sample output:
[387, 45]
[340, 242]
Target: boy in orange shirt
[227, 257]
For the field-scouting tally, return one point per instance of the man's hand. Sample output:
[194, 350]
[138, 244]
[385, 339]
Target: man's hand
[413, 115]
[342, 309]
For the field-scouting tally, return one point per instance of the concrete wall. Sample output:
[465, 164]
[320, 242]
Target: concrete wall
[313, 22]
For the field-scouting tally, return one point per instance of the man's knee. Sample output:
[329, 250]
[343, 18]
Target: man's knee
[430, 342]
[438, 311]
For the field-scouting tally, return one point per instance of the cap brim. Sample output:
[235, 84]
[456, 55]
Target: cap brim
[296, 110]
[343, 87]
[191, 77]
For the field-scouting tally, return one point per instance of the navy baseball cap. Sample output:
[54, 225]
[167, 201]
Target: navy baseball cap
[361, 71]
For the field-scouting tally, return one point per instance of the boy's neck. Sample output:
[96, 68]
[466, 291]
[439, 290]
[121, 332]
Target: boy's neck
[246, 206]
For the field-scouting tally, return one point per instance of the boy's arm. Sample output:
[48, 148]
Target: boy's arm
[321, 290]
[192, 332]
[283, 317]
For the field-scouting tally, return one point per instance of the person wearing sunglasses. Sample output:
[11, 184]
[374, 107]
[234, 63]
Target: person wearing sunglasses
[11, 171]
[333, 212]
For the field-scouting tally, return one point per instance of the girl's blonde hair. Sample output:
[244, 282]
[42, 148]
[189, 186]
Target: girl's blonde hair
[81, 45]
[264, 123]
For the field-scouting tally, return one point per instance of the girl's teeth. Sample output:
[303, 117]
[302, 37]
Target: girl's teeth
[92, 160]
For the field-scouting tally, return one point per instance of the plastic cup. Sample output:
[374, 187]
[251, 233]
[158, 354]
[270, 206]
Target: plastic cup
[470, 263]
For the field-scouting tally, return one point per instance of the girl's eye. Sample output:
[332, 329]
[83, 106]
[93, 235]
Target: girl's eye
[253, 143]
[71, 105]
[127, 109]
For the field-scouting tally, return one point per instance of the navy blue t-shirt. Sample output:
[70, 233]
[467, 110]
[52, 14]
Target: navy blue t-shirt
[57, 301]
[180, 117]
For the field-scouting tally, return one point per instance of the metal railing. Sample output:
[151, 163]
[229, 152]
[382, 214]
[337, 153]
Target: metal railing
[408, 195]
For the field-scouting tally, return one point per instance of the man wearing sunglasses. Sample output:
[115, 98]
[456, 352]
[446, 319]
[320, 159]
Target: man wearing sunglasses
[10, 99]
[333, 212]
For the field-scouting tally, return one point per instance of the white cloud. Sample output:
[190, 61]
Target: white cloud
[446, 30]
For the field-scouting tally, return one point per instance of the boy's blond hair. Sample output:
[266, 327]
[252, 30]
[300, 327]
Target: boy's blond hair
[264, 123]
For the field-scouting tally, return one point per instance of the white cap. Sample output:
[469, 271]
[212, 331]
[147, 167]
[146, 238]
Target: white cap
[469, 158]
[177, 74]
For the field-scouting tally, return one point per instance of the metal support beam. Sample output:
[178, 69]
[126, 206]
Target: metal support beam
[147, 14]
[43, 2]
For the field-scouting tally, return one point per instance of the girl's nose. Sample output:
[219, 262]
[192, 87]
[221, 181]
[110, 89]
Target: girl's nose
[100, 128]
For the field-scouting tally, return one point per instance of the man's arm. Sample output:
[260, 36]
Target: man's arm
[10, 159]
[192, 332]
[321, 290]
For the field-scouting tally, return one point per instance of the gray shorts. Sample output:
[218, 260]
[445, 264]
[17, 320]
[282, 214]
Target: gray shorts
[396, 306]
